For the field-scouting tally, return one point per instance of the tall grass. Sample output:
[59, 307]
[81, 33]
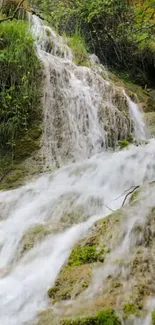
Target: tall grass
[20, 74]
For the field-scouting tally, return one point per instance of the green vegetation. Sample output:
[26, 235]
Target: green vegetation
[121, 33]
[123, 144]
[105, 317]
[131, 309]
[70, 282]
[20, 100]
[37, 233]
[75, 275]
[83, 255]
[19, 80]
[77, 44]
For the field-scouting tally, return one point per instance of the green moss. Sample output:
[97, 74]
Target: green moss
[105, 317]
[12, 171]
[83, 255]
[134, 196]
[123, 144]
[33, 235]
[28, 144]
[131, 309]
[153, 317]
[14, 179]
[70, 282]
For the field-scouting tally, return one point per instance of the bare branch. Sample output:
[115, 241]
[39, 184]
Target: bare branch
[107, 207]
[13, 16]
[135, 188]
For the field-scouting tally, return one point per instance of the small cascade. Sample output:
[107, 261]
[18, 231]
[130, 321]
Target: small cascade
[136, 113]
[85, 113]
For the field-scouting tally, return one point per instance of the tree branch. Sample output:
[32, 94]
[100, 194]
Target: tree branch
[13, 16]
[135, 188]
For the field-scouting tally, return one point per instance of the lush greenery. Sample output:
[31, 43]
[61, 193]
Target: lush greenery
[105, 317]
[121, 33]
[20, 74]
[77, 44]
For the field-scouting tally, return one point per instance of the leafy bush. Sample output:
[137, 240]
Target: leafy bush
[77, 44]
[121, 33]
[20, 75]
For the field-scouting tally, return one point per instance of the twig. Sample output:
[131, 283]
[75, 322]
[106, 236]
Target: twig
[107, 207]
[135, 188]
[13, 16]
[124, 193]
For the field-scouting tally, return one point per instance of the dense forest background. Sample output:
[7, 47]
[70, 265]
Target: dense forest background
[120, 32]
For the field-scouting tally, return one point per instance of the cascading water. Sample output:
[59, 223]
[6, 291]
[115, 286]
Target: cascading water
[84, 111]
[68, 201]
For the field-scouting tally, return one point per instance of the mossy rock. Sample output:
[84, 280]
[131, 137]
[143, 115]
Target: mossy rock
[150, 122]
[32, 236]
[13, 178]
[75, 276]
[105, 317]
[145, 97]
[84, 255]
[131, 309]
[13, 172]
[70, 283]
[28, 144]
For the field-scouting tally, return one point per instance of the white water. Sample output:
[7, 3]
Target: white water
[85, 191]
[84, 111]
[140, 131]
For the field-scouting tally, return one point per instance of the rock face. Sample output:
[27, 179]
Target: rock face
[150, 122]
[111, 268]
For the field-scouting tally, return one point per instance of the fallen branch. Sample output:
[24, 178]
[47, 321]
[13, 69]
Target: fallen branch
[13, 16]
[33, 12]
[107, 207]
[135, 188]
[124, 193]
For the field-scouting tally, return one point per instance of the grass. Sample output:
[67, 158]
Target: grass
[20, 100]
[20, 74]
[78, 46]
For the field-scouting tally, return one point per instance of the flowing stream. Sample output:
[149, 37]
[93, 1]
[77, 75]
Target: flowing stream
[69, 200]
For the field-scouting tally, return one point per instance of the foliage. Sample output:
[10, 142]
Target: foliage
[105, 317]
[77, 44]
[10, 7]
[121, 33]
[20, 74]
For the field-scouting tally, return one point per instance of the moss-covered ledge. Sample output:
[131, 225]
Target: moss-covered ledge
[105, 317]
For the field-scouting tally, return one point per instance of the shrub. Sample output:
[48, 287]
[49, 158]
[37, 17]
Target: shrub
[20, 75]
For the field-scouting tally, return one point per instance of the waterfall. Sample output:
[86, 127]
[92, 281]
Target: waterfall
[82, 119]
[140, 131]
[85, 113]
